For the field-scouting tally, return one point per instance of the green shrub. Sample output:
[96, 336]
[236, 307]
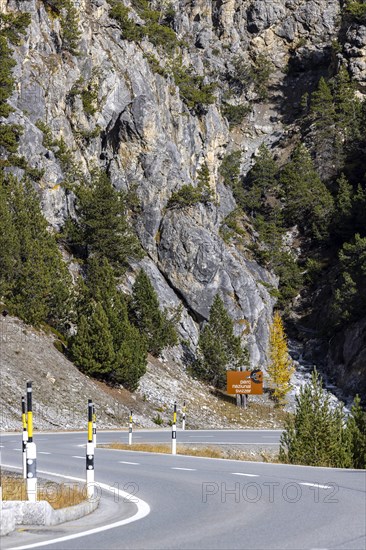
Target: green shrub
[189, 195]
[60, 150]
[357, 10]
[162, 36]
[235, 113]
[155, 65]
[230, 173]
[69, 22]
[192, 89]
[186, 196]
[231, 226]
[9, 136]
[260, 72]
[156, 29]
[89, 97]
[130, 31]
[158, 420]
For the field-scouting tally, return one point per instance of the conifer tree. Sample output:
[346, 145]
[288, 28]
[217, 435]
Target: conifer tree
[347, 106]
[41, 284]
[145, 313]
[322, 107]
[344, 197]
[308, 202]
[349, 294]
[280, 368]
[129, 346]
[203, 178]
[356, 431]
[262, 178]
[218, 348]
[9, 245]
[92, 347]
[103, 228]
[343, 222]
[130, 363]
[315, 434]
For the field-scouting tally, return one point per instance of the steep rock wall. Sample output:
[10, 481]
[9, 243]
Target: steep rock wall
[144, 135]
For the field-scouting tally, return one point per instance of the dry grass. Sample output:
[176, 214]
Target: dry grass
[261, 413]
[58, 495]
[227, 452]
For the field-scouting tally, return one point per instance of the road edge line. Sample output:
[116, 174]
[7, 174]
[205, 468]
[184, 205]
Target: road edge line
[143, 509]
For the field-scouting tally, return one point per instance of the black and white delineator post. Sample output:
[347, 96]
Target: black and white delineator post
[90, 454]
[130, 431]
[94, 428]
[174, 430]
[184, 416]
[31, 450]
[25, 439]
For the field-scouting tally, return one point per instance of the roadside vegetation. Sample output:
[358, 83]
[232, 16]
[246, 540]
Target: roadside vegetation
[232, 453]
[56, 494]
[319, 433]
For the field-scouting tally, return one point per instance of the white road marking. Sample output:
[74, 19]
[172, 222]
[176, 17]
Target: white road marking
[186, 469]
[134, 463]
[78, 457]
[315, 485]
[1, 445]
[201, 436]
[83, 445]
[241, 474]
[43, 453]
[17, 449]
[143, 509]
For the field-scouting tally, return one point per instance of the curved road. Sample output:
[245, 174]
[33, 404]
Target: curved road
[200, 503]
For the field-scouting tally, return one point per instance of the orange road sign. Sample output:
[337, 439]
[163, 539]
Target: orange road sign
[244, 382]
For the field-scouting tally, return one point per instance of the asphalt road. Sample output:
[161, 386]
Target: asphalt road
[255, 438]
[201, 503]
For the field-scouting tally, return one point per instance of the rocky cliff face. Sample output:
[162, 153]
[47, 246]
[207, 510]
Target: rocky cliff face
[140, 130]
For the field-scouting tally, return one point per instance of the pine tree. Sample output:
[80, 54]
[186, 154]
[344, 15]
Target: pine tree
[6, 78]
[263, 178]
[92, 347]
[9, 245]
[315, 434]
[356, 431]
[280, 368]
[145, 313]
[344, 197]
[322, 107]
[218, 348]
[129, 346]
[41, 284]
[349, 294]
[103, 226]
[347, 106]
[131, 357]
[204, 188]
[343, 221]
[12, 27]
[308, 202]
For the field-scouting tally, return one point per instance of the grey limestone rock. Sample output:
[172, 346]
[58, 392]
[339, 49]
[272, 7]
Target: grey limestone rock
[145, 136]
[199, 264]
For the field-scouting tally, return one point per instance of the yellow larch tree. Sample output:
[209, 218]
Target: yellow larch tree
[280, 368]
